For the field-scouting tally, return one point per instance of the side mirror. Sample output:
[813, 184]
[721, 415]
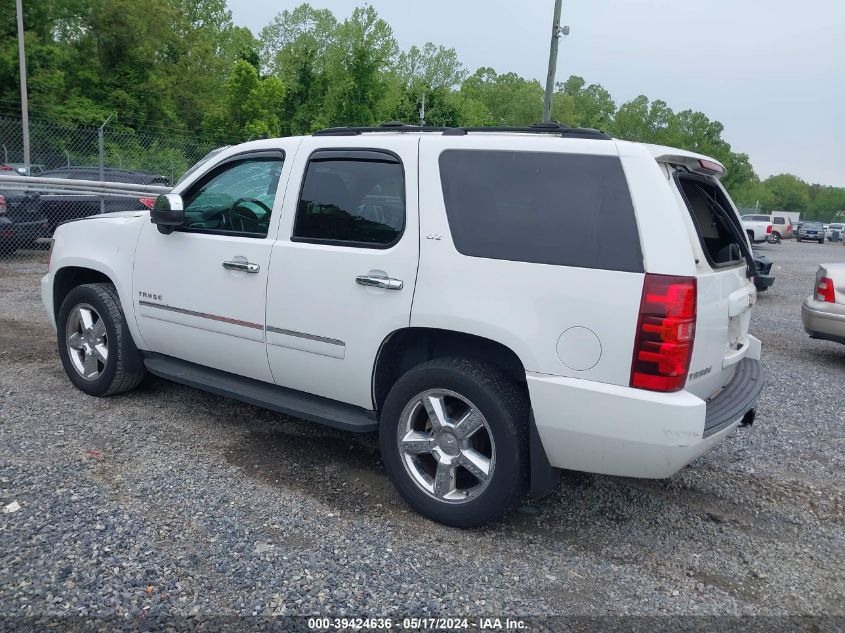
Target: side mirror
[168, 212]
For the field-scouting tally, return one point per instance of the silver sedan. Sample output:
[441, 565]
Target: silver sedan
[823, 312]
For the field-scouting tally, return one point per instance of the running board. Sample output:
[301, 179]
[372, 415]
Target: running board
[295, 403]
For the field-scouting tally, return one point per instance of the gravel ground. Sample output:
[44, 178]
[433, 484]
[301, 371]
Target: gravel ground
[172, 501]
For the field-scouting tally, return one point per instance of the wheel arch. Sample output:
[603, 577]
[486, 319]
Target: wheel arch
[408, 347]
[75, 272]
[67, 278]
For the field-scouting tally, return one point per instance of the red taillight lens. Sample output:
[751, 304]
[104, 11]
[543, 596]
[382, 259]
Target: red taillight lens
[769, 230]
[665, 333]
[825, 291]
[2, 204]
[148, 202]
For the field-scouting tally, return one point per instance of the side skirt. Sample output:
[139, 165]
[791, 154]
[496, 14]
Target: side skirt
[335, 414]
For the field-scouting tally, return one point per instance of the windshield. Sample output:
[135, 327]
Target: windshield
[812, 225]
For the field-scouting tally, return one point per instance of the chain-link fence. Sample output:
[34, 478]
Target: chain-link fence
[31, 210]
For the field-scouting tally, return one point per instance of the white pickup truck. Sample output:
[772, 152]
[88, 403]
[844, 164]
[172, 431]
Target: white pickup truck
[758, 227]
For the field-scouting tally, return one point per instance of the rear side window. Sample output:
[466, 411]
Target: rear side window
[352, 198]
[543, 208]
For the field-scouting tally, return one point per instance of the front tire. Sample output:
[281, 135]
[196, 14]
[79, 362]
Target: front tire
[454, 440]
[95, 345]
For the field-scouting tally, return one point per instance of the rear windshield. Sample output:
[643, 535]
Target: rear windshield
[544, 208]
[715, 221]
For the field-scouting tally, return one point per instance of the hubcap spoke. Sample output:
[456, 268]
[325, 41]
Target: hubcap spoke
[90, 365]
[101, 353]
[444, 479]
[416, 443]
[468, 424]
[476, 463]
[75, 341]
[86, 318]
[99, 329]
[436, 409]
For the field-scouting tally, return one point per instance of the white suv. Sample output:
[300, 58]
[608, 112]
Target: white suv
[497, 304]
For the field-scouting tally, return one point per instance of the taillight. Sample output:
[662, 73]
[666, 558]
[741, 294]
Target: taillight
[148, 202]
[2, 204]
[665, 333]
[769, 230]
[712, 166]
[824, 290]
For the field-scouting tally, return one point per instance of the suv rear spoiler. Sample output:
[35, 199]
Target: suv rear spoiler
[696, 163]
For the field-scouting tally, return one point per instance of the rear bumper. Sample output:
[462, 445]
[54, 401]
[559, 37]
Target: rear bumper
[821, 322]
[612, 430]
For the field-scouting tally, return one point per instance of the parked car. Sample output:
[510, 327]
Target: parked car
[61, 207]
[835, 229]
[763, 278]
[811, 231]
[823, 312]
[758, 227]
[781, 228]
[23, 221]
[421, 283]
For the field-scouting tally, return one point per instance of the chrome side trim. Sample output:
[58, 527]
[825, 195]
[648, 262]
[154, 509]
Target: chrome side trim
[202, 315]
[310, 337]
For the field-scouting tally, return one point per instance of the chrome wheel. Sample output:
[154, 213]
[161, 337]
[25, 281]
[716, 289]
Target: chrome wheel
[446, 446]
[87, 341]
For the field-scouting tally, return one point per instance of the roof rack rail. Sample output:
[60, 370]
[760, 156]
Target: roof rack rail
[550, 127]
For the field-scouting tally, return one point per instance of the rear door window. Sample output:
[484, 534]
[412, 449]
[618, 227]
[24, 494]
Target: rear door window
[544, 208]
[352, 198]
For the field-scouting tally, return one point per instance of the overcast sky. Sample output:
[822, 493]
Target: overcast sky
[772, 71]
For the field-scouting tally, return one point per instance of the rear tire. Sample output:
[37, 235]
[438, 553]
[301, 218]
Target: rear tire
[821, 241]
[454, 440]
[775, 238]
[95, 345]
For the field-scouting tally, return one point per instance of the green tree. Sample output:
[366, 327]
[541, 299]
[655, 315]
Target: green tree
[294, 47]
[790, 192]
[509, 98]
[359, 59]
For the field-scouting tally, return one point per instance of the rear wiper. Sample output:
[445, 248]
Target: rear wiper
[724, 217]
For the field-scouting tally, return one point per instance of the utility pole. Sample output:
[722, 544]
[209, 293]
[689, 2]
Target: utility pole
[550, 78]
[422, 111]
[101, 146]
[24, 101]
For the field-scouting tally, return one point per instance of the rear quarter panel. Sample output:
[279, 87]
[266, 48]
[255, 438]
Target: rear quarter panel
[525, 306]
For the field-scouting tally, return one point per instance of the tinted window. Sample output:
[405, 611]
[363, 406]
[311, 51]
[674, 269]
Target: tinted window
[545, 208]
[236, 198]
[352, 198]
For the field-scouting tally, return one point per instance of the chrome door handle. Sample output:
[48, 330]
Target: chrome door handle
[379, 282]
[244, 267]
